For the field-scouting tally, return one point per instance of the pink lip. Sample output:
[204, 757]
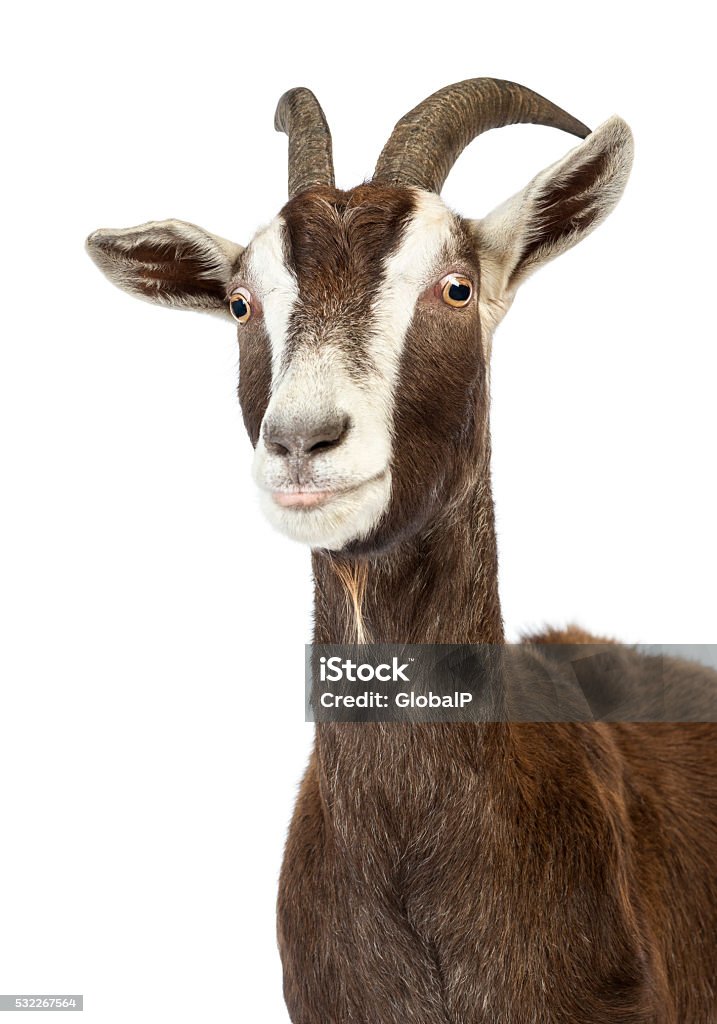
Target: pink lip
[300, 499]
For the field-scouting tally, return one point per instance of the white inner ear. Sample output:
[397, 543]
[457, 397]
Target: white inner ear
[501, 237]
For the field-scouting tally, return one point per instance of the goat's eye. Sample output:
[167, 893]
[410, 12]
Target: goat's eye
[240, 305]
[456, 290]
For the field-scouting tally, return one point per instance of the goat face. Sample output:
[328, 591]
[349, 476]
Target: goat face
[357, 378]
[365, 317]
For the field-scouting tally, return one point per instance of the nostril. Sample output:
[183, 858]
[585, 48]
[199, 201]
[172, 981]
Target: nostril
[276, 447]
[301, 440]
[331, 436]
[279, 439]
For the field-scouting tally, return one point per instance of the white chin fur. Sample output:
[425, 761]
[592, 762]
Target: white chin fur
[347, 517]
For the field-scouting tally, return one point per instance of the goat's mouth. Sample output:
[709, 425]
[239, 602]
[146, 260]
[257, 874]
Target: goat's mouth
[328, 517]
[301, 499]
[310, 498]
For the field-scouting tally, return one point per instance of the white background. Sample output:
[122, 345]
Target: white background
[151, 695]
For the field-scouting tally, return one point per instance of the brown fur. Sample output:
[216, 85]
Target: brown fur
[457, 874]
[336, 243]
[556, 873]
[494, 873]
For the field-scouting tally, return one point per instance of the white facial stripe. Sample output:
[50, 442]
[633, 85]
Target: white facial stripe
[276, 285]
[408, 272]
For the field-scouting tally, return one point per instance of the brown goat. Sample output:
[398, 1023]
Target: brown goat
[495, 872]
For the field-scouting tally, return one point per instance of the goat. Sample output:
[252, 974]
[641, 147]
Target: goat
[531, 873]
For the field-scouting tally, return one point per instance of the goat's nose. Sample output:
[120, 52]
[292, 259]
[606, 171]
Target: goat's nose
[301, 439]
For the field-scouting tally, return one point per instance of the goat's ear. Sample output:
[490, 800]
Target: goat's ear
[169, 262]
[555, 211]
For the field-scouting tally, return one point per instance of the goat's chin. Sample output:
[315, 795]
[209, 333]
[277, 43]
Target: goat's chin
[344, 517]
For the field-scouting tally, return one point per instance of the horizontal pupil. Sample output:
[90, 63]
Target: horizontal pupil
[459, 292]
[239, 307]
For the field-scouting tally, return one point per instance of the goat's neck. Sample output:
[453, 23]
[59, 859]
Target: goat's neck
[439, 587]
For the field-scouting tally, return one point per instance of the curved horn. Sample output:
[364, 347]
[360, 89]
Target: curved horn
[299, 114]
[428, 140]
